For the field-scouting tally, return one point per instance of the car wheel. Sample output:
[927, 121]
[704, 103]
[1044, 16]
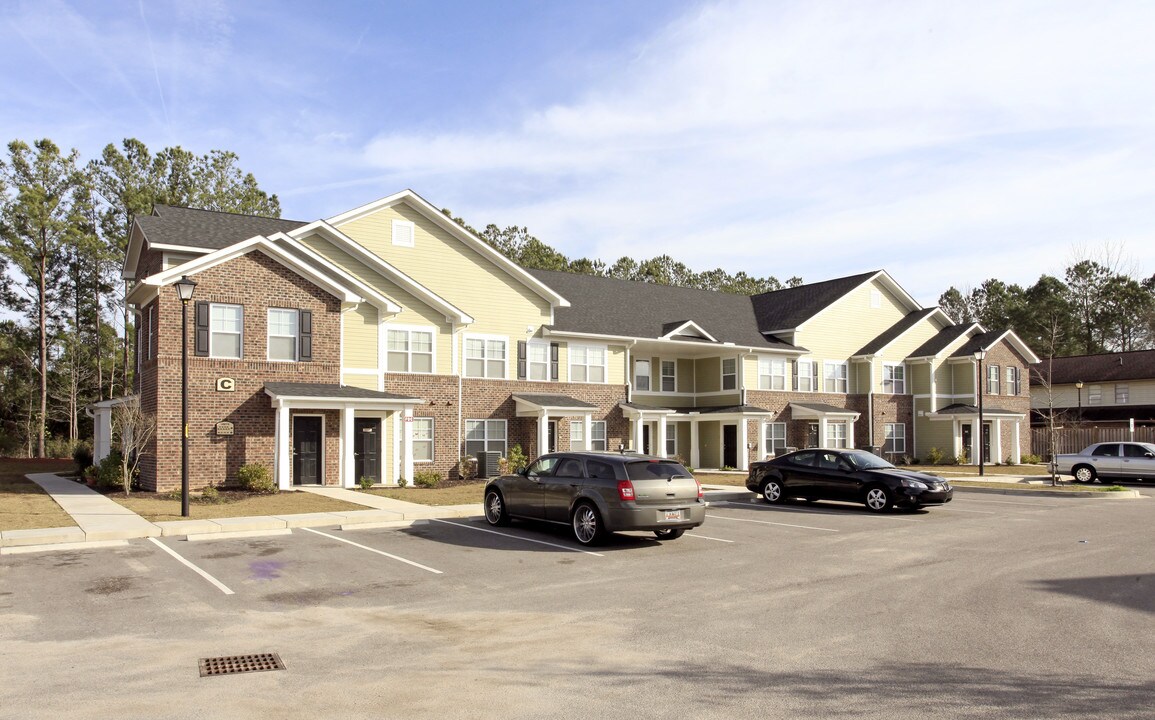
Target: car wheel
[669, 533]
[587, 525]
[1084, 474]
[495, 512]
[878, 499]
[772, 491]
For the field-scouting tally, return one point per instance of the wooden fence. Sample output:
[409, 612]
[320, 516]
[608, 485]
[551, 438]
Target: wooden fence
[1074, 439]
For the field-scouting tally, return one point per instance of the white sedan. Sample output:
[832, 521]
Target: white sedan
[1109, 460]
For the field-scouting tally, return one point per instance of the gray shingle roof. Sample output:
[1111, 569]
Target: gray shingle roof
[981, 341]
[788, 308]
[1104, 367]
[321, 390]
[207, 229]
[557, 401]
[939, 342]
[964, 409]
[608, 306]
[894, 331]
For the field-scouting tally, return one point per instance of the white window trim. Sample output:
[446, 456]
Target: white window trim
[488, 439]
[1126, 394]
[465, 338]
[269, 334]
[671, 429]
[432, 439]
[649, 374]
[594, 425]
[830, 434]
[893, 438]
[724, 374]
[662, 375]
[410, 329]
[412, 233]
[241, 334]
[845, 379]
[151, 330]
[768, 362]
[813, 376]
[997, 372]
[892, 390]
[767, 437]
[570, 364]
[529, 363]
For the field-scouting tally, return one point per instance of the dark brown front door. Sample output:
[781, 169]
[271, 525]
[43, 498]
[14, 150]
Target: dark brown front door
[306, 450]
[730, 446]
[367, 448]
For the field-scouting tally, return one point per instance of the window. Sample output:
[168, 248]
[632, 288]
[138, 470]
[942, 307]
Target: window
[642, 375]
[484, 357]
[774, 437]
[992, 379]
[151, 332]
[409, 351]
[484, 435]
[834, 376]
[669, 376]
[771, 374]
[671, 440]
[729, 373]
[1094, 394]
[577, 433]
[1122, 393]
[422, 439]
[587, 363]
[1013, 380]
[894, 379]
[836, 435]
[895, 438]
[225, 324]
[1106, 450]
[806, 379]
[403, 233]
[537, 360]
[598, 431]
[283, 329]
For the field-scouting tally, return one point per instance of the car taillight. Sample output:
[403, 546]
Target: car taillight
[699, 488]
[625, 490]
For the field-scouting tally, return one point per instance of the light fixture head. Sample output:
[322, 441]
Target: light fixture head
[1079, 384]
[184, 288]
[980, 355]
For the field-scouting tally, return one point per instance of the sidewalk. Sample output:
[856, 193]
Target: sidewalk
[100, 520]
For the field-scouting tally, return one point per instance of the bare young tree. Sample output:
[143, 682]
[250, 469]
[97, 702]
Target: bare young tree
[133, 429]
[1051, 415]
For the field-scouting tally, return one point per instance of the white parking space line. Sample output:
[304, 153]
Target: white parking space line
[219, 585]
[374, 550]
[707, 537]
[811, 510]
[767, 522]
[517, 537]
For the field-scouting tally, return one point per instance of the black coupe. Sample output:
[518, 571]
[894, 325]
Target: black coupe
[849, 475]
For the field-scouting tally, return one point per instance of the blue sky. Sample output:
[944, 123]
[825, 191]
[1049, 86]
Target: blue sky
[945, 142]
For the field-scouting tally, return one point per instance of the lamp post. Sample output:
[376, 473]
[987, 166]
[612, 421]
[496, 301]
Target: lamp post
[1079, 388]
[979, 356]
[184, 290]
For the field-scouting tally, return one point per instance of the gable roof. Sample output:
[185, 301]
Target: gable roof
[943, 340]
[171, 227]
[989, 338]
[897, 330]
[788, 309]
[1102, 367]
[628, 308]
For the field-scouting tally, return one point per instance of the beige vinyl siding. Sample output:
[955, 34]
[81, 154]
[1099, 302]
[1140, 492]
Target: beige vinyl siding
[859, 376]
[683, 441]
[710, 440]
[685, 376]
[616, 373]
[722, 400]
[963, 378]
[918, 377]
[366, 382]
[499, 303]
[674, 401]
[849, 324]
[934, 435]
[1140, 392]
[414, 312]
[708, 375]
[171, 260]
[359, 333]
[901, 349]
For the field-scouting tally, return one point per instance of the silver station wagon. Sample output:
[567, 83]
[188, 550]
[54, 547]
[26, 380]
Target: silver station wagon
[600, 493]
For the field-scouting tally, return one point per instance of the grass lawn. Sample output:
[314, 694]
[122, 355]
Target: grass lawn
[23, 504]
[1065, 487]
[464, 494]
[161, 507]
[721, 478]
[987, 469]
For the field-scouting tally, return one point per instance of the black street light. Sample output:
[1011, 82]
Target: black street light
[1079, 417]
[184, 290]
[979, 355]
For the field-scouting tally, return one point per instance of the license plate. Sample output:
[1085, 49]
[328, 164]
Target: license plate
[670, 516]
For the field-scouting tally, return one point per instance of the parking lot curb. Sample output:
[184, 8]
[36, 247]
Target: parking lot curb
[1087, 494]
[40, 536]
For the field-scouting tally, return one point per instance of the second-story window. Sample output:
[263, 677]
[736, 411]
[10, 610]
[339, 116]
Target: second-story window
[642, 375]
[669, 376]
[537, 360]
[409, 351]
[1013, 387]
[894, 379]
[834, 377]
[771, 374]
[1094, 394]
[587, 363]
[283, 329]
[993, 379]
[806, 375]
[729, 373]
[1122, 394]
[226, 323]
[485, 358]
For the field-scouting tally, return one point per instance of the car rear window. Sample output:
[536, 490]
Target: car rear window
[649, 469]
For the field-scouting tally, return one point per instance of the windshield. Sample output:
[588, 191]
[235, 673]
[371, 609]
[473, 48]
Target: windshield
[863, 460]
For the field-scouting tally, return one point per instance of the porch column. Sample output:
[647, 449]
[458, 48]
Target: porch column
[348, 457]
[997, 441]
[395, 449]
[407, 444]
[661, 436]
[743, 451]
[637, 446]
[976, 442]
[283, 467]
[850, 433]
[822, 427]
[101, 434]
[1016, 447]
[588, 431]
[542, 432]
[695, 453]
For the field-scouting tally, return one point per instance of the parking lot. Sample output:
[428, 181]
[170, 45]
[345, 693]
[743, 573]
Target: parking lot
[992, 606]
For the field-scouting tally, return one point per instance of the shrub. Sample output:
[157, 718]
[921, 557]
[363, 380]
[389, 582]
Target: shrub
[402, 482]
[256, 478]
[427, 479]
[110, 474]
[467, 467]
[907, 460]
[934, 456]
[960, 459]
[365, 482]
[1032, 459]
[55, 447]
[1009, 460]
[82, 455]
[517, 459]
[210, 495]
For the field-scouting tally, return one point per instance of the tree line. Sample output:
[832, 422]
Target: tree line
[64, 229]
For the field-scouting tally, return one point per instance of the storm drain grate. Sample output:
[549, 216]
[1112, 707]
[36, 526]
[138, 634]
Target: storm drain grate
[233, 664]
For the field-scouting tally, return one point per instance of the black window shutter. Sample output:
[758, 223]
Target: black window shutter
[521, 359]
[305, 318]
[795, 375]
[553, 351]
[201, 343]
